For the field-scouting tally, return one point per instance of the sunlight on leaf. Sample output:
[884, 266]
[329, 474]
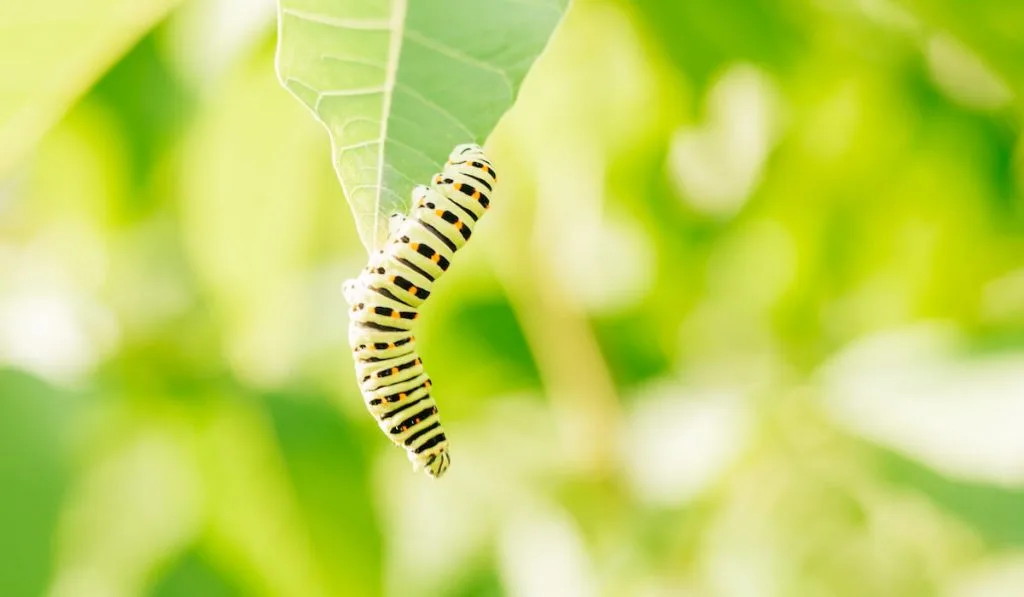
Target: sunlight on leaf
[397, 84]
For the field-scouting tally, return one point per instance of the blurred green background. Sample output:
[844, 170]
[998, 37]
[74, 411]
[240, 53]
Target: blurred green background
[747, 319]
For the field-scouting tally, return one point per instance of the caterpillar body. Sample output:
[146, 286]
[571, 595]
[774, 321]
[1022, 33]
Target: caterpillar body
[385, 297]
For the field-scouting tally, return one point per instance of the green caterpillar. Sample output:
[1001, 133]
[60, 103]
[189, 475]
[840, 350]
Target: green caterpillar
[386, 296]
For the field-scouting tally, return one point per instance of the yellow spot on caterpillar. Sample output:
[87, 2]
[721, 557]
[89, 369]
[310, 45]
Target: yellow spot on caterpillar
[401, 396]
[457, 186]
[435, 257]
[458, 225]
[412, 290]
[394, 371]
[414, 246]
[476, 196]
[439, 213]
[391, 346]
[395, 315]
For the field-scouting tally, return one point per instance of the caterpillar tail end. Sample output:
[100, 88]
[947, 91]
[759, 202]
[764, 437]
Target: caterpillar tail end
[436, 464]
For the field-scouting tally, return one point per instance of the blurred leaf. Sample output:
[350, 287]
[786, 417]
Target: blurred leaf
[483, 580]
[701, 37]
[193, 575]
[488, 355]
[52, 51]
[632, 348]
[992, 28]
[327, 465]
[249, 198]
[150, 102]
[34, 478]
[256, 523]
[397, 84]
[996, 513]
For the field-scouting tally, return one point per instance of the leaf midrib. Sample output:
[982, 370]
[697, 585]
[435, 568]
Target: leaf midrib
[398, 8]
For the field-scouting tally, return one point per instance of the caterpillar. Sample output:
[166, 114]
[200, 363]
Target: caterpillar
[385, 297]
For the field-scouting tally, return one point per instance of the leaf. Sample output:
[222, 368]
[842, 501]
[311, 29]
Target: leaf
[34, 471]
[995, 513]
[326, 462]
[991, 28]
[399, 83]
[703, 37]
[195, 574]
[54, 50]
[249, 236]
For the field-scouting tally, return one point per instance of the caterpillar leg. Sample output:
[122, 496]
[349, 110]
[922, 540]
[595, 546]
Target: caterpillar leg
[348, 290]
[395, 222]
[419, 194]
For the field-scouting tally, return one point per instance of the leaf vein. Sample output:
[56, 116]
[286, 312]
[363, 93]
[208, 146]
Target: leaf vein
[357, 24]
[456, 54]
[436, 107]
[391, 75]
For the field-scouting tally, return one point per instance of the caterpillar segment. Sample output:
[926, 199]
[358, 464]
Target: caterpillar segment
[385, 298]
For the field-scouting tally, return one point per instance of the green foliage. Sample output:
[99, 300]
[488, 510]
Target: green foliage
[397, 84]
[57, 49]
[194, 574]
[745, 319]
[34, 470]
[994, 511]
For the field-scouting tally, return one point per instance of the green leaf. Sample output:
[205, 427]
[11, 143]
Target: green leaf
[54, 50]
[991, 28]
[996, 513]
[248, 237]
[328, 467]
[34, 471]
[195, 574]
[399, 83]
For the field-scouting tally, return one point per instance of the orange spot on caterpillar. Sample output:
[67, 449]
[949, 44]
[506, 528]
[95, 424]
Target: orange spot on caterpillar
[412, 290]
[395, 315]
[458, 225]
[435, 257]
[457, 186]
